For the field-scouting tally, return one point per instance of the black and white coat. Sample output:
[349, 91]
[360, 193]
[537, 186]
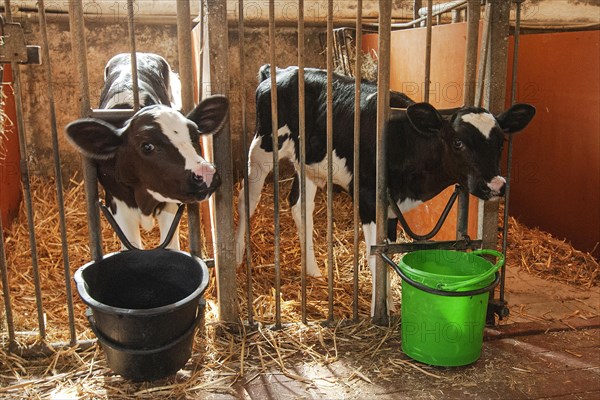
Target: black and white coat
[152, 162]
[426, 152]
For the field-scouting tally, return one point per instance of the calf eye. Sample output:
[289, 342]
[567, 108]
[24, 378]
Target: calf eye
[147, 148]
[458, 144]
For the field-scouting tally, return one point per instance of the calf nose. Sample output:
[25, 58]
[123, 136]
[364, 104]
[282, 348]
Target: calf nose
[497, 185]
[205, 173]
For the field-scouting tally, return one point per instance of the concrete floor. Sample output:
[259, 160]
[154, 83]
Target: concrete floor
[548, 348]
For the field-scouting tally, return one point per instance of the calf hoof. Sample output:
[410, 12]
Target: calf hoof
[313, 270]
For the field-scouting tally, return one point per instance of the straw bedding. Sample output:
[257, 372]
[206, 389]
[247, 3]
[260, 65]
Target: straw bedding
[223, 361]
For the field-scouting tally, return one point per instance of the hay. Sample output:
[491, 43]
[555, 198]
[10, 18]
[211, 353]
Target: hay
[543, 255]
[348, 58]
[222, 361]
[219, 360]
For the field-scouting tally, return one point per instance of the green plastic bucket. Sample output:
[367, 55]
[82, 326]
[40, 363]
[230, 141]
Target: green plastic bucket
[444, 304]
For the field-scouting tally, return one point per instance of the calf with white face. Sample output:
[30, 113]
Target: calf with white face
[426, 152]
[152, 163]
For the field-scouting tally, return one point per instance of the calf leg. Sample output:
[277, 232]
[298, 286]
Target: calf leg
[165, 220]
[295, 200]
[370, 233]
[260, 163]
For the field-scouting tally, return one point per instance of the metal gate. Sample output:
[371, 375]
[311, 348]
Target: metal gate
[485, 85]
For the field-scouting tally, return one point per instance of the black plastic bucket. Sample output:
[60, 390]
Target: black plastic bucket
[144, 309]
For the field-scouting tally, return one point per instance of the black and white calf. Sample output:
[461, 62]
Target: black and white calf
[152, 162]
[425, 152]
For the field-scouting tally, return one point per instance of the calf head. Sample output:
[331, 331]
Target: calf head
[472, 140]
[157, 152]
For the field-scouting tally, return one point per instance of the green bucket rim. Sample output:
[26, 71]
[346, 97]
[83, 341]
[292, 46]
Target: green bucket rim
[447, 288]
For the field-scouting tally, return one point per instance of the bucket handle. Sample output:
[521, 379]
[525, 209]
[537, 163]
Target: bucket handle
[111, 220]
[438, 292]
[480, 278]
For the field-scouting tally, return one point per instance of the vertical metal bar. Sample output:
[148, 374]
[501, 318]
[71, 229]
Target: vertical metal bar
[79, 48]
[201, 53]
[462, 214]
[16, 77]
[329, 157]
[275, 137]
[218, 45]
[184, 51]
[483, 56]
[57, 172]
[356, 171]
[473, 15]
[417, 4]
[427, 83]
[10, 324]
[242, 52]
[495, 90]
[513, 98]
[380, 316]
[302, 135]
[134, 71]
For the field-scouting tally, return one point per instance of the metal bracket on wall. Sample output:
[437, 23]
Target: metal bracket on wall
[13, 47]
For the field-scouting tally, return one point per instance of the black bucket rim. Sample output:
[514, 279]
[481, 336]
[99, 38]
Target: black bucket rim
[96, 305]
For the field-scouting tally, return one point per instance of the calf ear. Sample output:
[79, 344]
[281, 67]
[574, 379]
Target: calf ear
[210, 114]
[516, 118]
[424, 118]
[94, 138]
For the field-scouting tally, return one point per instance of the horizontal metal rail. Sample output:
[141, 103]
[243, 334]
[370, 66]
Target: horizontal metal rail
[115, 115]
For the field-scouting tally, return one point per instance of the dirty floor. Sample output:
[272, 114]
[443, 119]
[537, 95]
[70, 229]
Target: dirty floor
[548, 348]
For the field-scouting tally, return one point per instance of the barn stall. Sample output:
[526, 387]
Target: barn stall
[269, 329]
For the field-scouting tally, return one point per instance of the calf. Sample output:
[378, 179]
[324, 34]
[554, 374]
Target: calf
[425, 152]
[152, 162]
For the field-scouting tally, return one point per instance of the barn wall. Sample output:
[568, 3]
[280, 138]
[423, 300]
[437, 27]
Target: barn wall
[556, 184]
[105, 40]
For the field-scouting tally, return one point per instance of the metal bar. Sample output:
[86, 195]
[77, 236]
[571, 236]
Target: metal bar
[428, 52]
[513, 99]
[16, 78]
[201, 53]
[90, 176]
[473, 15]
[302, 136]
[356, 171]
[438, 225]
[184, 51]
[134, 71]
[57, 172]
[330, 261]
[347, 46]
[417, 20]
[397, 248]
[242, 52]
[10, 324]
[114, 115]
[417, 4]
[495, 91]
[380, 316]
[218, 43]
[462, 215]
[43, 349]
[483, 55]
[275, 137]
[470, 75]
